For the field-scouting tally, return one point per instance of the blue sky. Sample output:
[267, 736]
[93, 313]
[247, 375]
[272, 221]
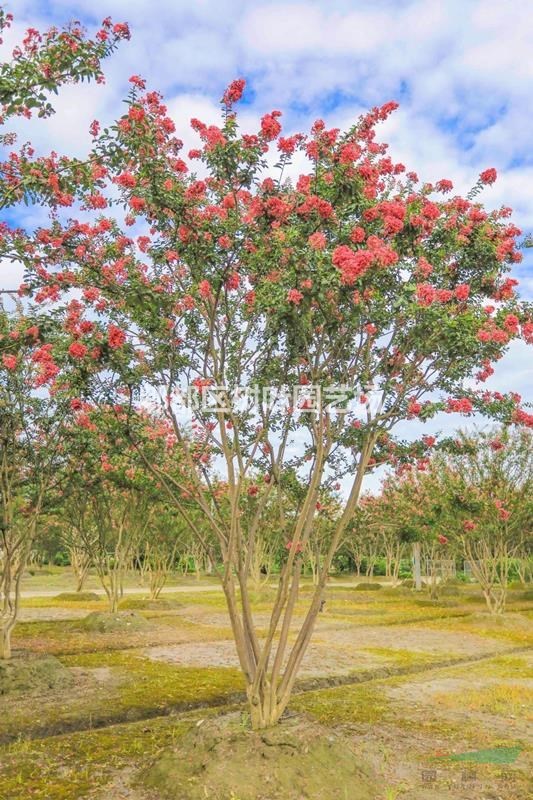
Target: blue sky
[461, 70]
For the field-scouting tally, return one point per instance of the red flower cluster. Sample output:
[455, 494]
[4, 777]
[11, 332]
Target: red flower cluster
[413, 408]
[317, 240]
[9, 362]
[294, 296]
[204, 289]
[270, 127]
[77, 350]
[488, 176]
[461, 405]
[352, 264]
[234, 91]
[115, 337]
[298, 547]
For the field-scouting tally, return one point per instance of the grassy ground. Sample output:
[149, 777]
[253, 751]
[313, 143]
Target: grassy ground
[428, 730]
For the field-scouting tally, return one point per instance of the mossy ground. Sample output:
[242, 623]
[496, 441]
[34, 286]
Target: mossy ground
[111, 687]
[400, 724]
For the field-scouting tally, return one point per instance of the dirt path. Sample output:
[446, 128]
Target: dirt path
[202, 587]
[342, 650]
[193, 588]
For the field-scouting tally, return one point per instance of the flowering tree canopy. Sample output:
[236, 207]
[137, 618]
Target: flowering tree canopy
[36, 375]
[41, 64]
[310, 312]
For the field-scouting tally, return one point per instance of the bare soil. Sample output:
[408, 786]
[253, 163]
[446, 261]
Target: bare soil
[341, 651]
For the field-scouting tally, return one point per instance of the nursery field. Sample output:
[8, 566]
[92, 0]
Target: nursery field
[434, 699]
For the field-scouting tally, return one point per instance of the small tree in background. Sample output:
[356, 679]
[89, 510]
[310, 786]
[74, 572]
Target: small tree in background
[485, 497]
[472, 498]
[32, 440]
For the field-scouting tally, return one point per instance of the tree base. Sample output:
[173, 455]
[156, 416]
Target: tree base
[294, 760]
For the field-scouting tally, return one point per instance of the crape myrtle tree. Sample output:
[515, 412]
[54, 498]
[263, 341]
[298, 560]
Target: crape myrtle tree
[362, 540]
[482, 493]
[33, 435]
[77, 527]
[404, 505]
[159, 550]
[354, 544]
[471, 499]
[121, 505]
[380, 519]
[222, 272]
[33, 407]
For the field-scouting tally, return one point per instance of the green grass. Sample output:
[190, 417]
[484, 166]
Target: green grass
[403, 658]
[363, 703]
[507, 628]
[501, 667]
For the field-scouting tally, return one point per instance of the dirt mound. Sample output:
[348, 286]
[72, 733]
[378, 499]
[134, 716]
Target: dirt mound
[28, 674]
[78, 597]
[145, 604]
[100, 622]
[450, 590]
[409, 583]
[297, 759]
[367, 587]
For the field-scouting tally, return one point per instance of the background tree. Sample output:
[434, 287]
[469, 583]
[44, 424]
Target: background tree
[486, 501]
[33, 411]
[473, 500]
[31, 421]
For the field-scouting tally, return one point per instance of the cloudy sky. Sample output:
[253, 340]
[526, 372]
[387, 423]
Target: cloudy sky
[460, 69]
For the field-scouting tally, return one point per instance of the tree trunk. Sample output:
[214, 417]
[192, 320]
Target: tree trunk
[416, 566]
[113, 599]
[495, 599]
[13, 569]
[80, 566]
[5, 640]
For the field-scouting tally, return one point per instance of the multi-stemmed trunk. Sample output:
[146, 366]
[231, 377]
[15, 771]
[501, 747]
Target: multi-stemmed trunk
[261, 565]
[495, 598]
[417, 571]
[110, 569]
[393, 555]
[490, 560]
[159, 566]
[80, 562]
[271, 665]
[16, 545]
